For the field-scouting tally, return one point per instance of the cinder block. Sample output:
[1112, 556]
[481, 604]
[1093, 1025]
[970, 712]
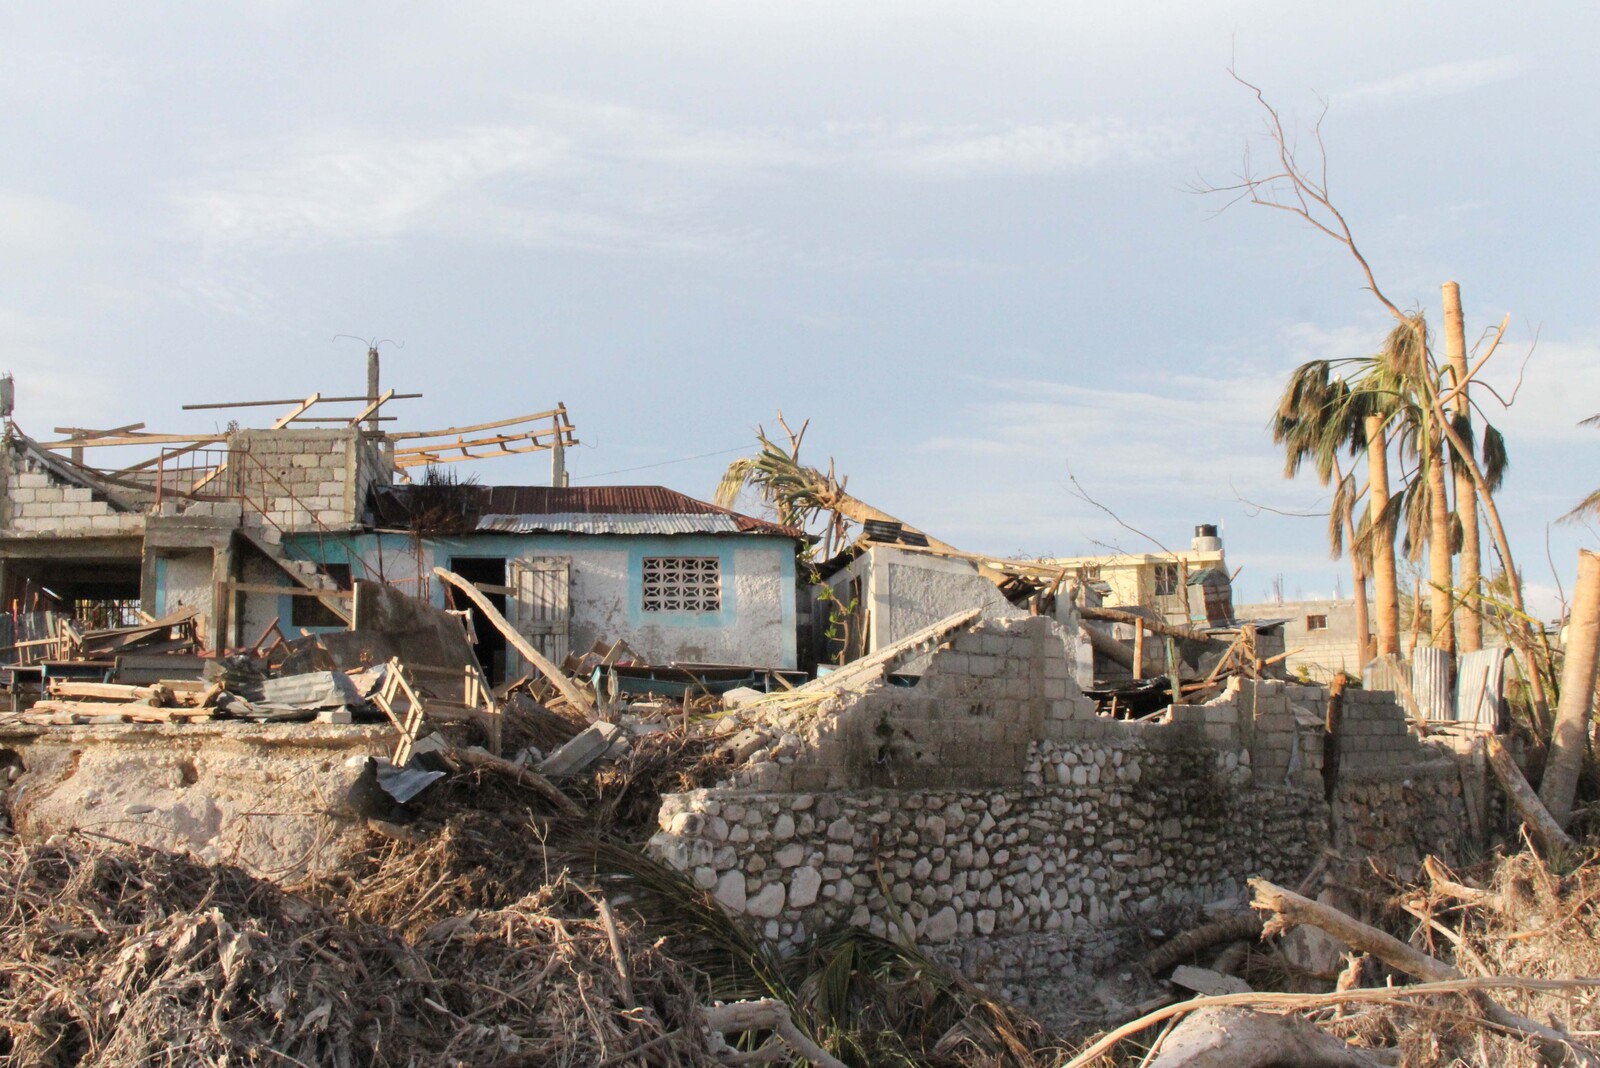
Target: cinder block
[75, 523]
[106, 522]
[62, 509]
[22, 495]
[33, 480]
[77, 494]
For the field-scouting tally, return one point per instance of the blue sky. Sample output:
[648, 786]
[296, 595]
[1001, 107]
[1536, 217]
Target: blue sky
[957, 237]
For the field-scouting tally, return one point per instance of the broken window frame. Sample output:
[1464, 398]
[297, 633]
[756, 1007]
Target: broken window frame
[681, 584]
[1168, 580]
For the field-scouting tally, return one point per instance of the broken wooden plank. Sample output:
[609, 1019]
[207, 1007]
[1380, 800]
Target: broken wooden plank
[105, 691]
[575, 696]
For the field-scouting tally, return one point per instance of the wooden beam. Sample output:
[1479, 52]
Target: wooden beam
[132, 439]
[568, 689]
[298, 411]
[292, 400]
[81, 432]
[458, 430]
[372, 407]
[288, 591]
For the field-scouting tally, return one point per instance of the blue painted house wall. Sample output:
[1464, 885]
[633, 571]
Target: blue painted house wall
[755, 625]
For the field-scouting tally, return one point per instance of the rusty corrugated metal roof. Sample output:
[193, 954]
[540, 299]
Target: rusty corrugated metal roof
[582, 509]
[608, 523]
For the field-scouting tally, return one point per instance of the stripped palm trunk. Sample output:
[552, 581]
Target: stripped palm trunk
[1471, 610]
[1571, 734]
[1385, 582]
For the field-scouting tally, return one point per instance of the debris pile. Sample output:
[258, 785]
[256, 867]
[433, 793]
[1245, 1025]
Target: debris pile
[126, 958]
[1494, 966]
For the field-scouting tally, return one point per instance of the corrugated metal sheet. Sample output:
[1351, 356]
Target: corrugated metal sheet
[579, 509]
[1430, 681]
[599, 523]
[1478, 687]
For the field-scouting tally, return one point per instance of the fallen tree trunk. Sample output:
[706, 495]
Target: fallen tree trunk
[1246, 926]
[1120, 651]
[1523, 799]
[525, 776]
[1232, 1037]
[1167, 630]
[575, 696]
[1097, 1049]
[1289, 909]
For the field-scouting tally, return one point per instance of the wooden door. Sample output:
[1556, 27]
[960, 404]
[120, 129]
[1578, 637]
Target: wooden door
[541, 609]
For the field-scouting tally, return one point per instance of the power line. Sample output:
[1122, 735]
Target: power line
[663, 463]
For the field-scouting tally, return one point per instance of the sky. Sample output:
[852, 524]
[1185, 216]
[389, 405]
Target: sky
[962, 240]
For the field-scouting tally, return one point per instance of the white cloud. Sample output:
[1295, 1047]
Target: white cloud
[1441, 79]
[1019, 149]
[599, 175]
[32, 225]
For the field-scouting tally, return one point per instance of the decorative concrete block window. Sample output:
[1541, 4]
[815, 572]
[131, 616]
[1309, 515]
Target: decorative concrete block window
[1316, 622]
[682, 584]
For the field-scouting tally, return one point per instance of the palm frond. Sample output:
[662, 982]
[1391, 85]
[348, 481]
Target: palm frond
[1495, 458]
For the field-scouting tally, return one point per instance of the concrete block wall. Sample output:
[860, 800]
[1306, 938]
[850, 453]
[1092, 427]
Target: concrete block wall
[987, 695]
[38, 503]
[302, 479]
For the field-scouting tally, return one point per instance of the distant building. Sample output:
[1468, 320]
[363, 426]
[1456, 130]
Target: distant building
[1190, 586]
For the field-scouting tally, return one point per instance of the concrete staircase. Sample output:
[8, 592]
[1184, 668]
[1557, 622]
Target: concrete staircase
[306, 574]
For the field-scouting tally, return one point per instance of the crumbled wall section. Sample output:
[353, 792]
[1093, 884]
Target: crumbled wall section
[985, 699]
[39, 503]
[990, 805]
[299, 479]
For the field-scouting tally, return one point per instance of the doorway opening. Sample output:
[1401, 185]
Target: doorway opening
[489, 573]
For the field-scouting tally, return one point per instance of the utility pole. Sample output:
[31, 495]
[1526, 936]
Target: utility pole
[558, 462]
[372, 385]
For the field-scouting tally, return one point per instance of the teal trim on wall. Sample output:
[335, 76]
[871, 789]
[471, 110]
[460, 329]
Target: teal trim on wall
[686, 546]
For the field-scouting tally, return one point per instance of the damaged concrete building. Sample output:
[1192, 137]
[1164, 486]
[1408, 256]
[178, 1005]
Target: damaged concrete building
[952, 782]
[258, 527]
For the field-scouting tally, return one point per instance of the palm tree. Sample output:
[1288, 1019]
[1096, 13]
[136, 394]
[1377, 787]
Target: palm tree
[1589, 507]
[800, 494]
[1318, 417]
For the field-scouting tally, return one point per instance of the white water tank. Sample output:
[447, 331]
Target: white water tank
[1206, 540]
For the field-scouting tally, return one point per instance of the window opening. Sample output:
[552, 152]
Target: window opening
[682, 584]
[1166, 580]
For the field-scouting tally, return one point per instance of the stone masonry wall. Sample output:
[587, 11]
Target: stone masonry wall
[990, 815]
[39, 503]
